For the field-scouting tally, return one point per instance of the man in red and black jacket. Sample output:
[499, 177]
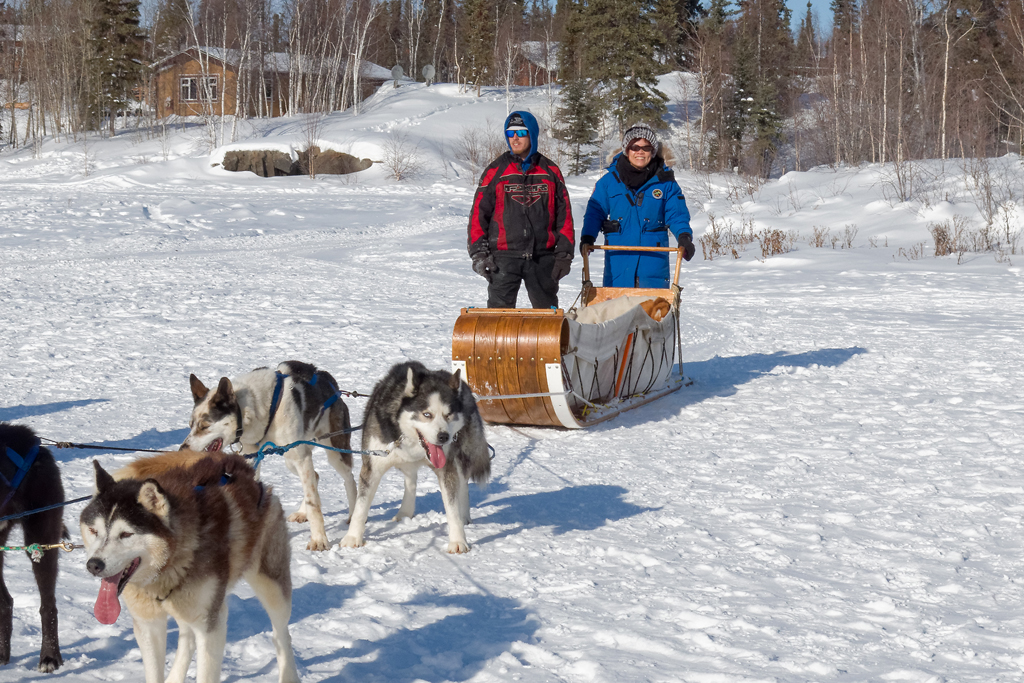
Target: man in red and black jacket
[520, 230]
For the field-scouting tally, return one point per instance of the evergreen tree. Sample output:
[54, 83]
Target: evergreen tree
[762, 73]
[618, 54]
[479, 41]
[806, 42]
[115, 64]
[170, 27]
[577, 119]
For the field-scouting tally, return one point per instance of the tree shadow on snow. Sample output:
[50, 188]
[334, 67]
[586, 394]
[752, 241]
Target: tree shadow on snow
[476, 629]
[720, 376]
[151, 439]
[572, 508]
[21, 412]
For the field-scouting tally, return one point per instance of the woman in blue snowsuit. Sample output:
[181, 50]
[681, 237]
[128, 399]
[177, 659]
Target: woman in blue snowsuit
[637, 203]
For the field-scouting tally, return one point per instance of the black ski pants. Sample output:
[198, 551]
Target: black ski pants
[534, 272]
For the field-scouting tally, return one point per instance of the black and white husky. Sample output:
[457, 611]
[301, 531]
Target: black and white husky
[422, 418]
[295, 402]
[174, 533]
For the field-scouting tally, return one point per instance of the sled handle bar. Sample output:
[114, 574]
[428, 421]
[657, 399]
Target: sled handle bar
[587, 248]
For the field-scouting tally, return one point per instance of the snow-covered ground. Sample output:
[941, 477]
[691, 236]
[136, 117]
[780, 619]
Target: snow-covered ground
[837, 497]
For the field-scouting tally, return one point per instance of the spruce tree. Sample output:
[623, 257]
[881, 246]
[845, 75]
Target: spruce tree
[807, 41]
[115, 65]
[479, 41]
[618, 54]
[170, 28]
[762, 73]
[577, 119]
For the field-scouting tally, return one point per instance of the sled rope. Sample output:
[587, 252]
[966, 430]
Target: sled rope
[350, 430]
[43, 509]
[69, 444]
[270, 448]
[36, 550]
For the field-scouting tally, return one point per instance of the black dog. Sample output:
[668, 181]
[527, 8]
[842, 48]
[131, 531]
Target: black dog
[40, 486]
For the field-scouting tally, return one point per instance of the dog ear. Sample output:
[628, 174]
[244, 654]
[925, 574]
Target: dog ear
[410, 383]
[153, 499]
[199, 390]
[103, 480]
[225, 392]
[456, 380]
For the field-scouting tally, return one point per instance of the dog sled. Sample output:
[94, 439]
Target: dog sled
[619, 351]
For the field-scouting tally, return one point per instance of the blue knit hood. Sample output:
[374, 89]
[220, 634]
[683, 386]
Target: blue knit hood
[531, 125]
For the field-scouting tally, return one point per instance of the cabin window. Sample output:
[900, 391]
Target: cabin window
[192, 90]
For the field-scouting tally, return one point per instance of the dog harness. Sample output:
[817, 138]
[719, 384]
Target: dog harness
[22, 464]
[275, 400]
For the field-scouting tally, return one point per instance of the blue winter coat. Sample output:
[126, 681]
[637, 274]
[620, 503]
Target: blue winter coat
[645, 218]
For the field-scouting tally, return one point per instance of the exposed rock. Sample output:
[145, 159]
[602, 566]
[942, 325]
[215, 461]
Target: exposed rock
[270, 163]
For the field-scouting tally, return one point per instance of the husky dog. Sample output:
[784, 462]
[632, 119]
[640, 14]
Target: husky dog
[422, 418]
[174, 533]
[29, 482]
[296, 402]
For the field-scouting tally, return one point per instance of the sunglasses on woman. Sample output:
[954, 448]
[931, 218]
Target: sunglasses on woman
[517, 133]
[640, 148]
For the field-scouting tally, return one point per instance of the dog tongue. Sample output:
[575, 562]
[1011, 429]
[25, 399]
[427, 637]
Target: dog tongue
[108, 606]
[436, 454]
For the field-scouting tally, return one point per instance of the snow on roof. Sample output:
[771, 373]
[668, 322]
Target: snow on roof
[11, 32]
[279, 62]
[543, 53]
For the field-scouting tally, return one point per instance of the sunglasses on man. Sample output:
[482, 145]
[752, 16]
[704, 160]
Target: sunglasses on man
[640, 148]
[517, 133]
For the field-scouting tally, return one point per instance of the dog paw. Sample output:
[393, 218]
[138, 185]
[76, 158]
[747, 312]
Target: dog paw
[352, 542]
[458, 547]
[403, 515]
[299, 517]
[48, 665]
[318, 544]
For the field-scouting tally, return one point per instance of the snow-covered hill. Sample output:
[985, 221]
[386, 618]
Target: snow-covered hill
[837, 496]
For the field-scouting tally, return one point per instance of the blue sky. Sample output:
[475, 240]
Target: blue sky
[819, 7]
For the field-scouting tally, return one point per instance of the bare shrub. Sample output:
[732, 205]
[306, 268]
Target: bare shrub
[712, 242]
[950, 236]
[820, 236]
[849, 234]
[1009, 232]
[477, 147]
[914, 253]
[899, 180]
[722, 238]
[402, 157]
[312, 127]
[775, 242]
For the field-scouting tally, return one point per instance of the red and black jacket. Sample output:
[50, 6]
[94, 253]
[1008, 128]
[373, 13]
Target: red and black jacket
[521, 213]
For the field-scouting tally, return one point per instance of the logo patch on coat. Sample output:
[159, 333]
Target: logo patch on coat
[656, 194]
[527, 195]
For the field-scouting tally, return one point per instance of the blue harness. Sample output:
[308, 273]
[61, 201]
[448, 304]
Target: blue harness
[22, 464]
[275, 400]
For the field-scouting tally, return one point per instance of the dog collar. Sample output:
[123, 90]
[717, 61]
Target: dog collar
[238, 421]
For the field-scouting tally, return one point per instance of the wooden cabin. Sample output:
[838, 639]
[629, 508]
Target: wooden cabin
[204, 80]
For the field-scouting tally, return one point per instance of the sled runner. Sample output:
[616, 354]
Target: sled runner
[544, 368]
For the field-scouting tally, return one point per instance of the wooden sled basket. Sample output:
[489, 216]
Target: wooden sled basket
[540, 367]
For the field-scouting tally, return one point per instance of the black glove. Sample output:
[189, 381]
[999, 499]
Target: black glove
[563, 263]
[484, 266]
[686, 244]
[586, 239]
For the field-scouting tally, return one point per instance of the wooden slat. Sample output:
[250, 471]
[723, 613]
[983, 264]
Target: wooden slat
[505, 351]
